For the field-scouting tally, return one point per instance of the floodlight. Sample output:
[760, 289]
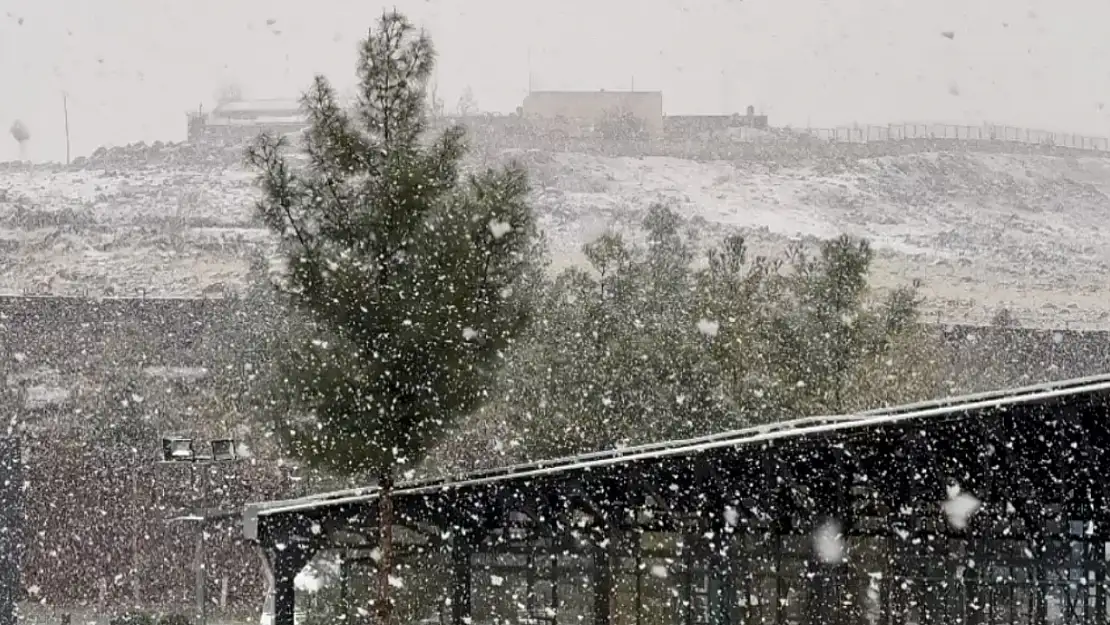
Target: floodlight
[177, 449]
[223, 449]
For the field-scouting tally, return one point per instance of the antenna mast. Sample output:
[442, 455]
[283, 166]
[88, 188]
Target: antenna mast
[529, 70]
[65, 112]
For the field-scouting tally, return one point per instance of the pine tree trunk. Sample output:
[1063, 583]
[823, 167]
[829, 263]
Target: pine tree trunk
[385, 549]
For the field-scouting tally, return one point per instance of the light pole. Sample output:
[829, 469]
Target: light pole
[182, 450]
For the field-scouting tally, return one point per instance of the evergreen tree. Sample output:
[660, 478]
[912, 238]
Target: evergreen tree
[405, 272]
[831, 338]
[631, 315]
[741, 296]
[676, 351]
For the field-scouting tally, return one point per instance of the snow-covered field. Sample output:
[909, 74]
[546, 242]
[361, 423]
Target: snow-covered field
[982, 231]
[163, 230]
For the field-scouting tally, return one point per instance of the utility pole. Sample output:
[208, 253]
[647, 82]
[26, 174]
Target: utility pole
[529, 70]
[65, 111]
[726, 87]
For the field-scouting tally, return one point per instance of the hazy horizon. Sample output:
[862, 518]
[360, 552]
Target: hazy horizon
[132, 68]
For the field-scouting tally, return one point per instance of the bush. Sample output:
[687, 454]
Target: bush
[621, 125]
[175, 619]
[133, 618]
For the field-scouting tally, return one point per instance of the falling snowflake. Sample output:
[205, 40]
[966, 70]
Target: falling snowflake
[959, 507]
[732, 517]
[499, 228]
[496, 580]
[829, 543]
[396, 582]
[308, 581]
[469, 334]
[708, 328]
[659, 571]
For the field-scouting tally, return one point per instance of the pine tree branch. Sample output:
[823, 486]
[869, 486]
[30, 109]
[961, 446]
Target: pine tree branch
[277, 185]
[334, 148]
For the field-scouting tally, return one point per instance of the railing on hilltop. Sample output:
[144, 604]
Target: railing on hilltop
[953, 132]
[715, 139]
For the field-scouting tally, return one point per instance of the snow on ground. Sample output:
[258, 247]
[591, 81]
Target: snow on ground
[982, 231]
[163, 230]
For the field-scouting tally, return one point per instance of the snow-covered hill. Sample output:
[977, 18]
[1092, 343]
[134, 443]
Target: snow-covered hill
[158, 224]
[983, 231]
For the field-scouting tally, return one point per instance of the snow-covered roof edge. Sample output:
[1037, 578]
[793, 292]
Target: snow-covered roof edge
[787, 429]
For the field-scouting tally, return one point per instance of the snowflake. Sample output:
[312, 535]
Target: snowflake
[499, 228]
[708, 328]
[829, 543]
[959, 507]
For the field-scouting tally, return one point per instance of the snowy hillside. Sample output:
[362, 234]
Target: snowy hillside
[983, 231]
[122, 226]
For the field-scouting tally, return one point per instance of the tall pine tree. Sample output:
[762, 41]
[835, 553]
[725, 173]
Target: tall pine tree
[404, 270]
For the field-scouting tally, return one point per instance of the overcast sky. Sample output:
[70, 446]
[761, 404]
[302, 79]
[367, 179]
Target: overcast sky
[133, 67]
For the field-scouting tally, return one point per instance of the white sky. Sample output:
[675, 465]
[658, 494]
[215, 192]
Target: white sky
[133, 67]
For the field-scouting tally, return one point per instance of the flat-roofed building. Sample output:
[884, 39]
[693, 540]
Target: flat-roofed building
[247, 118]
[588, 108]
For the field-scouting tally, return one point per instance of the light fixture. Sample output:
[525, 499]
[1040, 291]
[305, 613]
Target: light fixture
[223, 449]
[177, 449]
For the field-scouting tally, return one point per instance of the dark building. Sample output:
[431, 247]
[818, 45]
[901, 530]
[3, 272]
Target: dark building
[989, 508]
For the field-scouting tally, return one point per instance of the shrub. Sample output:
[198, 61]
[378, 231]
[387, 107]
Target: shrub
[175, 619]
[133, 618]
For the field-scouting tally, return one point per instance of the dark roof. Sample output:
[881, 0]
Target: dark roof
[966, 406]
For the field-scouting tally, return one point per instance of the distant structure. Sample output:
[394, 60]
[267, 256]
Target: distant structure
[22, 135]
[690, 126]
[751, 120]
[578, 113]
[243, 119]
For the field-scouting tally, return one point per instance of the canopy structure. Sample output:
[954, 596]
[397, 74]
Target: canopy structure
[979, 509]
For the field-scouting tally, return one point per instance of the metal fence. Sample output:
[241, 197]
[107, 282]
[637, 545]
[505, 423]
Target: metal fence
[987, 132]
